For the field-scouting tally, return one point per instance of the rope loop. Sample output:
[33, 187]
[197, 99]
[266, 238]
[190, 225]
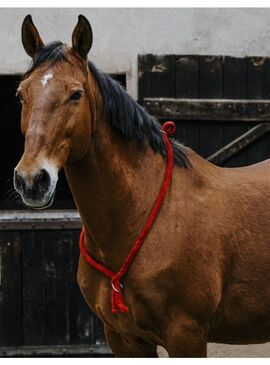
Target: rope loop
[169, 128]
[117, 300]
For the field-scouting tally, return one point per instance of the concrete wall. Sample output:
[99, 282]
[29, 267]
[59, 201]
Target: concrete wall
[121, 34]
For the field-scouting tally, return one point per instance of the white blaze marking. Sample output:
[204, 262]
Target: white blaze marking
[46, 78]
[51, 168]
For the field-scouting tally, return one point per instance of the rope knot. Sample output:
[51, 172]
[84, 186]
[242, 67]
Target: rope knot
[169, 128]
[117, 297]
[116, 285]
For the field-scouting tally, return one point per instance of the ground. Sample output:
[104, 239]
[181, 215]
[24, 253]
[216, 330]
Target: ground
[221, 350]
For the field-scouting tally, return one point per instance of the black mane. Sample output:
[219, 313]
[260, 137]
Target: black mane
[120, 110]
[52, 53]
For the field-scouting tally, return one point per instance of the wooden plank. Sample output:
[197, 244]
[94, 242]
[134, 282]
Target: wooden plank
[49, 220]
[187, 132]
[266, 95]
[156, 76]
[40, 225]
[239, 144]
[211, 77]
[34, 290]
[145, 65]
[163, 77]
[256, 89]
[211, 137]
[235, 78]
[235, 87]
[267, 147]
[57, 351]
[211, 86]
[57, 286]
[255, 77]
[10, 290]
[266, 86]
[231, 131]
[259, 150]
[208, 109]
[187, 86]
[187, 76]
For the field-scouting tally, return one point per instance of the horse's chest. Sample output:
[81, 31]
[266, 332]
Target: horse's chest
[97, 291]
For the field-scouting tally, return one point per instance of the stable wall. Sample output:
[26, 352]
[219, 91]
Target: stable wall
[121, 34]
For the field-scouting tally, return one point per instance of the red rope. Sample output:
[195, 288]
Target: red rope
[117, 301]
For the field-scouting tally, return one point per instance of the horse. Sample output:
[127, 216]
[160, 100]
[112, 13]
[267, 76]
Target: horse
[202, 273]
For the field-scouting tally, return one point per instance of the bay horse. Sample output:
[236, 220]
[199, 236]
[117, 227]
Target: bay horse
[203, 272]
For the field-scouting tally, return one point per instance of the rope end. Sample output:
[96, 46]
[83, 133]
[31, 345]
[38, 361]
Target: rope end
[118, 304]
[169, 128]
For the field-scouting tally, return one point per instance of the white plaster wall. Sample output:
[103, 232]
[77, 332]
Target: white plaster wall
[121, 34]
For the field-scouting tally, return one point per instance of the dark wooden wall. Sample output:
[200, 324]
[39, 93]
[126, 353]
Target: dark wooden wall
[209, 77]
[40, 301]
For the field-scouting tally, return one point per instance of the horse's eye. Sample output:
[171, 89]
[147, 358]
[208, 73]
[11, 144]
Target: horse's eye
[76, 96]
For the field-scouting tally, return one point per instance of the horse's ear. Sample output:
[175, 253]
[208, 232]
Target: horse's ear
[82, 37]
[31, 40]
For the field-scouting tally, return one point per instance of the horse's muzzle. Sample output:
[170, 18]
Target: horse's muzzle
[36, 191]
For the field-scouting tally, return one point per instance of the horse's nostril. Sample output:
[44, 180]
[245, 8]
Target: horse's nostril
[19, 182]
[42, 179]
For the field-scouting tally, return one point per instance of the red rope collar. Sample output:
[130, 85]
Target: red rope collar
[117, 301]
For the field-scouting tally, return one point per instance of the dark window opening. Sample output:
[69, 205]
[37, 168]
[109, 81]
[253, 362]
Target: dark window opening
[12, 146]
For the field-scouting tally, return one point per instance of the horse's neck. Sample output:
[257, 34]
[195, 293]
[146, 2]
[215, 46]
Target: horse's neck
[114, 188]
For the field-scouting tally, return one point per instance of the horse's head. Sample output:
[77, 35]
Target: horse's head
[57, 118]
